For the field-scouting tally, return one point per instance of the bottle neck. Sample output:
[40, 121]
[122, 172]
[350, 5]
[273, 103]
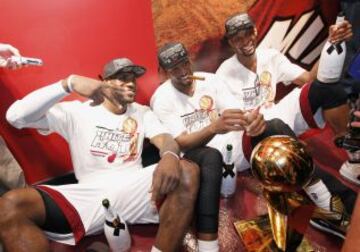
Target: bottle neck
[110, 214]
[340, 19]
[228, 157]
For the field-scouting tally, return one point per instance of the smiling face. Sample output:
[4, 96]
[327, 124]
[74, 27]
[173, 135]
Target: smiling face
[244, 42]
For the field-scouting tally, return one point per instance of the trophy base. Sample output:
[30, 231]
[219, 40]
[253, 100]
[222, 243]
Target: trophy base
[256, 235]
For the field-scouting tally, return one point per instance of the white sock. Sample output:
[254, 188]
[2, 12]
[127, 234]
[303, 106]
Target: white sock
[319, 194]
[154, 249]
[208, 246]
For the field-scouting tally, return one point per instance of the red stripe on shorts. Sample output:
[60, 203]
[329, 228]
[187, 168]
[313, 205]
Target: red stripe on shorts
[246, 146]
[69, 211]
[305, 107]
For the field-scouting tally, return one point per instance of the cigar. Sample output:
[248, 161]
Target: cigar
[196, 77]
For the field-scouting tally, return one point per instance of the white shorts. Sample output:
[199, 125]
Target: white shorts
[294, 110]
[127, 191]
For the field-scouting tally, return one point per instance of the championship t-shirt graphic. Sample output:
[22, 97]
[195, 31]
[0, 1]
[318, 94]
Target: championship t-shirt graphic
[251, 97]
[118, 143]
[260, 93]
[202, 117]
[266, 90]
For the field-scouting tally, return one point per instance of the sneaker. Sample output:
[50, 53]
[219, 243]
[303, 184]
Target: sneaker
[335, 221]
[351, 172]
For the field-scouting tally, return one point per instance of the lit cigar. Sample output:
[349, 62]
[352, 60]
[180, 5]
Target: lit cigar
[196, 77]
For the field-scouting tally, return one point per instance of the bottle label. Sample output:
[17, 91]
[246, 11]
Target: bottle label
[228, 170]
[117, 225]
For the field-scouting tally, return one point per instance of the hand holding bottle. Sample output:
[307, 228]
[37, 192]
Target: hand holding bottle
[341, 31]
[333, 54]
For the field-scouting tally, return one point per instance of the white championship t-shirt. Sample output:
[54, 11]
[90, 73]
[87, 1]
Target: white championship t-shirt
[255, 89]
[102, 141]
[182, 113]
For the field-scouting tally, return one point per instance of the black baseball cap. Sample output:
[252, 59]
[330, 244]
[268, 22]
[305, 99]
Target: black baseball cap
[172, 54]
[125, 65]
[238, 22]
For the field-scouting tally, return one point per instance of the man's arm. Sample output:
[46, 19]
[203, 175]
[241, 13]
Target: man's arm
[230, 120]
[165, 143]
[31, 110]
[188, 141]
[307, 76]
[166, 177]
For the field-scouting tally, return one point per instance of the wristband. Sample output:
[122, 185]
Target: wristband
[69, 83]
[171, 153]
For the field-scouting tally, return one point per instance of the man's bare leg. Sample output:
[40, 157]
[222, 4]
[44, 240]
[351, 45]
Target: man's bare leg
[177, 210]
[338, 118]
[22, 211]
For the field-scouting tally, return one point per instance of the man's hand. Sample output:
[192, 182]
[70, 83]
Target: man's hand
[166, 177]
[256, 123]
[340, 32]
[230, 120]
[356, 124]
[6, 51]
[91, 88]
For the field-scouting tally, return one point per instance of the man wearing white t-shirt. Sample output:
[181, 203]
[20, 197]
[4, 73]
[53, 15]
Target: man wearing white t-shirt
[199, 112]
[252, 74]
[105, 139]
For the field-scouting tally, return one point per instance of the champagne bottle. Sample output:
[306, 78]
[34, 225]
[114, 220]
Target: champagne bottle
[228, 185]
[115, 229]
[332, 59]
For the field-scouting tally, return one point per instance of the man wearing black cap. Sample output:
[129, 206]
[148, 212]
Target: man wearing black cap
[198, 113]
[106, 144]
[252, 74]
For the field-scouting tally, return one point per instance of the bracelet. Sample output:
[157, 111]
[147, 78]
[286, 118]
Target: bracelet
[69, 83]
[171, 153]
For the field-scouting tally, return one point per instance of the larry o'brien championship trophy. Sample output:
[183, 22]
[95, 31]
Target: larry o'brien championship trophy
[283, 167]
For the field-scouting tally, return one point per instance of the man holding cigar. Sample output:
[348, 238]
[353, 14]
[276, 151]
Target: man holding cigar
[197, 110]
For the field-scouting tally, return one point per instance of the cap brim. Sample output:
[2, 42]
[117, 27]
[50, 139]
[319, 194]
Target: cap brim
[243, 27]
[167, 66]
[137, 70]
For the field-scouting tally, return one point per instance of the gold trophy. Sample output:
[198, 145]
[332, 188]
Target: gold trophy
[283, 167]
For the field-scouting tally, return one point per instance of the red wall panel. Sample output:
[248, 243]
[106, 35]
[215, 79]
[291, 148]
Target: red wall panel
[71, 37]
